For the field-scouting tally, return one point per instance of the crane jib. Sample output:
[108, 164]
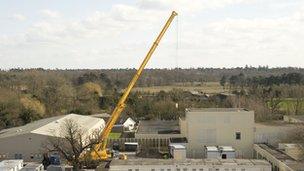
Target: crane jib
[100, 150]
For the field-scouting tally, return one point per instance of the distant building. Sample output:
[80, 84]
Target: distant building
[280, 159]
[294, 118]
[273, 132]
[129, 124]
[25, 142]
[189, 165]
[218, 127]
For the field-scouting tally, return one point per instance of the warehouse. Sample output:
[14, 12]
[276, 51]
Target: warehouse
[218, 127]
[26, 142]
[189, 165]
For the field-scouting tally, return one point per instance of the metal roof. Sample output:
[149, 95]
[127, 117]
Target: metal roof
[52, 126]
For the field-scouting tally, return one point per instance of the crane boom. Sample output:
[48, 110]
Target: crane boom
[100, 149]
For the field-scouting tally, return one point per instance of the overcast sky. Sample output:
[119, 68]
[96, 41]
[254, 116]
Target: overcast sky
[118, 33]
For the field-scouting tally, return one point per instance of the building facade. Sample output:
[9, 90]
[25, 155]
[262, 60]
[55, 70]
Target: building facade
[218, 127]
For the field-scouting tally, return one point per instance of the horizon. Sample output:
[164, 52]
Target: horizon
[72, 69]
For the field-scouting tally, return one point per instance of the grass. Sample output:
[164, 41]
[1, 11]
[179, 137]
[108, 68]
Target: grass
[208, 87]
[288, 105]
[113, 135]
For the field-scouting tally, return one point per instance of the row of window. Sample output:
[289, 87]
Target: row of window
[186, 169]
[19, 156]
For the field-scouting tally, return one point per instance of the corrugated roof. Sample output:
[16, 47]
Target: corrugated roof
[51, 126]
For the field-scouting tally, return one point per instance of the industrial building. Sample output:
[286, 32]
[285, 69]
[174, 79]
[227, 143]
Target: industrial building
[273, 132]
[26, 142]
[288, 157]
[189, 165]
[218, 127]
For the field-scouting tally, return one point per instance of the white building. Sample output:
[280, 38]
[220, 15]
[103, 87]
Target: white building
[129, 124]
[11, 165]
[26, 142]
[189, 165]
[218, 127]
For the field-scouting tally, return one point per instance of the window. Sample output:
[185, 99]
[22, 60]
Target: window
[129, 169]
[136, 169]
[162, 169]
[185, 169]
[178, 169]
[233, 169]
[224, 156]
[193, 169]
[226, 169]
[201, 170]
[168, 169]
[238, 135]
[242, 169]
[152, 169]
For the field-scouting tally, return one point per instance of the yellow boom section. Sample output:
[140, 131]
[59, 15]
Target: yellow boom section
[99, 152]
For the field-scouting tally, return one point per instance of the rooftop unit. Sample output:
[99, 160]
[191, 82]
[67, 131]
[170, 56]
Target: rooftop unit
[219, 152]
[178, 151]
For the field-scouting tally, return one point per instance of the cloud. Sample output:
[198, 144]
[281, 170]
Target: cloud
[120, 37]
[18, 17]
[49, 13]
[186, 5]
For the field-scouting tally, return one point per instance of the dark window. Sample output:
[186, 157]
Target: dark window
[224, 156]
[238, 135]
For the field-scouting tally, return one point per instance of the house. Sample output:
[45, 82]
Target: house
[129, 124]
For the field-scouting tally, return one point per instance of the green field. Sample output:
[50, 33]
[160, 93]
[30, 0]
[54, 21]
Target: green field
[113, 135]
[208, 87]
[288, 105]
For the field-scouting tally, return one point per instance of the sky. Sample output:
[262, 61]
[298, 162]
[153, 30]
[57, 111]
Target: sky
[102, 34]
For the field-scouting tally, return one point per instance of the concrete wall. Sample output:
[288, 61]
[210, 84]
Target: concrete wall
[272, 133]
[219, 128]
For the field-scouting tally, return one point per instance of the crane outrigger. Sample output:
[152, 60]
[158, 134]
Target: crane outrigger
[100, 151]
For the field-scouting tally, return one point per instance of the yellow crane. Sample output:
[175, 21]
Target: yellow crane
[100, 151]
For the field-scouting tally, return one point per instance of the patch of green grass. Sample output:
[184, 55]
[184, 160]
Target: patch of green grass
[288, 104]
[113, 135]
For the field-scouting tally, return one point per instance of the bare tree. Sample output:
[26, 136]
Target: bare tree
[72, 143]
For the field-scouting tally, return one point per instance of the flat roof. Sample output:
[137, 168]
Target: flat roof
[158, 126]
[215, 162]
[216, 110]
[212, 148]
[177, 146]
